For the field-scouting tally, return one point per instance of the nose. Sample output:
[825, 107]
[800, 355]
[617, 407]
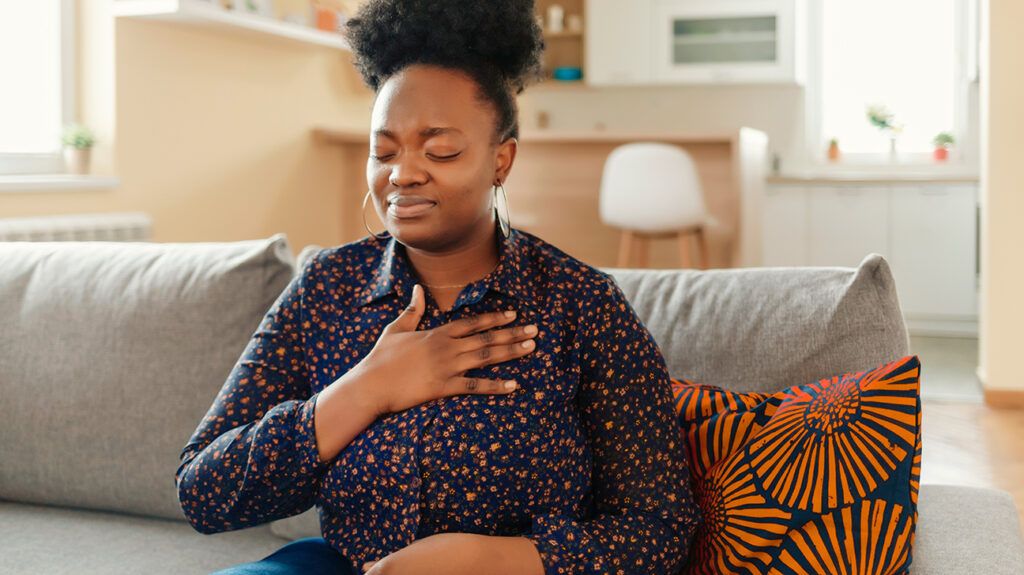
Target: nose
[406, 173]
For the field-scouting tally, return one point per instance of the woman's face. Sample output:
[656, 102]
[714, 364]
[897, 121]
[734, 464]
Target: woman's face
[431, 139]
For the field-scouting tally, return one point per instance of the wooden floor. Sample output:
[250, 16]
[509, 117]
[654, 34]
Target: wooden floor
[972, 444]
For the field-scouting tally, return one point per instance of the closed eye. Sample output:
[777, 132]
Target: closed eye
[451, 157]
[387, 157]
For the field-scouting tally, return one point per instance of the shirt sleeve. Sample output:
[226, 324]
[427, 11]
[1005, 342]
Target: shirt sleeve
[644, 516]
[254, 458]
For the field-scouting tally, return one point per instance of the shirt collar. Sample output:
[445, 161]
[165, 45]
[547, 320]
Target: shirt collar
[395, 274]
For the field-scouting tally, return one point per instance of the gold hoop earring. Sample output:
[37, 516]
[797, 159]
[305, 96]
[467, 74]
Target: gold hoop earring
[506, 225]
[366, 197]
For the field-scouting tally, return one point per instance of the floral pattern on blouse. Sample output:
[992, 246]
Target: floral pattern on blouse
[584, 458]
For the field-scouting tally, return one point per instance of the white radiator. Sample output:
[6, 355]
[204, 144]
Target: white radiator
[117, 227]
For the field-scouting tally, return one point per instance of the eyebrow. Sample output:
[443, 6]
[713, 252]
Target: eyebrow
[424, 133]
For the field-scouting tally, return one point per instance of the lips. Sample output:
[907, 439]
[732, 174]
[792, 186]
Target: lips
[404, 207]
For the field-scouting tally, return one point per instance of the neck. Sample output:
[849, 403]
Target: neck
[465, 263]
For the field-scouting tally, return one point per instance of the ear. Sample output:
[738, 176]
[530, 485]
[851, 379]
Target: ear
[506, 155]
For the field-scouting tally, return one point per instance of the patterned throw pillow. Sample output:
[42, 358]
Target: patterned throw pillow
[817, 478]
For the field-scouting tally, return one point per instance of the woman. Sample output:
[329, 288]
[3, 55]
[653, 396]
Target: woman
[373, 388]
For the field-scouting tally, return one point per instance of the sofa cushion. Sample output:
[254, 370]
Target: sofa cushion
[111, 353]
[832, 465]
[42, 539]
[963, 529]
[761, 329]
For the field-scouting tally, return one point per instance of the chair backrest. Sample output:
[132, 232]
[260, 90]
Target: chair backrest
[651, 186]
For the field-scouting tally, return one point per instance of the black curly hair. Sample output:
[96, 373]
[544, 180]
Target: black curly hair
[497, 43]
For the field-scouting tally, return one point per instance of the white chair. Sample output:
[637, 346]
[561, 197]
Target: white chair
[651, 190]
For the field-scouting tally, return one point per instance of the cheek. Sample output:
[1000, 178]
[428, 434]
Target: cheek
[376, 175]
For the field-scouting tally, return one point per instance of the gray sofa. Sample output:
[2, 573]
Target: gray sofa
[110, 353]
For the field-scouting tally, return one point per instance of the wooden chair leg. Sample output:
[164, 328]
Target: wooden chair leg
[685, 257]
[644, 243]
[702, 248]
[625, 248]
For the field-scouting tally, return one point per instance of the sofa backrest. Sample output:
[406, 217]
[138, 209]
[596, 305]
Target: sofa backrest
[111, 353]
[765, 329]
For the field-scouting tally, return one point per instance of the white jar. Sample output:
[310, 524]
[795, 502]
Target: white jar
[556, 18]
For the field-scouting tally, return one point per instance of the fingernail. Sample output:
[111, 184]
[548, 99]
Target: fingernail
[528, 343]
[531, 329]
[510, 384]
[510, 314]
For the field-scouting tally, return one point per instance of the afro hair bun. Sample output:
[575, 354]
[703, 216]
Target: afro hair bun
[500, 36]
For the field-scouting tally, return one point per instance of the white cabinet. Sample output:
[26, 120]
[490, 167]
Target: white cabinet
[695, 42]
[934, 247]
[785, 227]
[618, 47]
[846, 223]
[927, 233]
[741, 41]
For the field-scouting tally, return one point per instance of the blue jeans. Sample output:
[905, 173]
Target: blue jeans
[311, 555]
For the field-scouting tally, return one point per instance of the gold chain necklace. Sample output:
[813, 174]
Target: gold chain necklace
[452, 286]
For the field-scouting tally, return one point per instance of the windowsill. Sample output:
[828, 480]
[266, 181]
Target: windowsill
[917, 168]
[56, 182]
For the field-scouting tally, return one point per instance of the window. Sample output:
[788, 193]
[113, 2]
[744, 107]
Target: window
[908, 57]
[36, 64]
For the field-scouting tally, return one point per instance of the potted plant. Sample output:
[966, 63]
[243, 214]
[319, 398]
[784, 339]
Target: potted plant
[942, 141]
[881, 118]
[833, 149]
[78, 142]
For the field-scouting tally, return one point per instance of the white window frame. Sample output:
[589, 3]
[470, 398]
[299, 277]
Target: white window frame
[966, 74]
[53, 163]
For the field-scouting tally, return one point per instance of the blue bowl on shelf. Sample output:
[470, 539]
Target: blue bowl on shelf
[567, 73]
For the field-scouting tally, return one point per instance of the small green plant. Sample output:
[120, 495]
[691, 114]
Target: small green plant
[943, 140]
[881, 118]
[78, 136]
[833, 142]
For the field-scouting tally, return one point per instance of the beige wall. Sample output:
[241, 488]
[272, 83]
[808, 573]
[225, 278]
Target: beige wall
[209, 130]
[1002, 197]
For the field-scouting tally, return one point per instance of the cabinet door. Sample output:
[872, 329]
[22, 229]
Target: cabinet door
[784, 227]
[846, 224]
[618, 42]
[747, 41]
[934, 253]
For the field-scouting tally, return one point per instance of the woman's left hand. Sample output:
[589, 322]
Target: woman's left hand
[438, 554]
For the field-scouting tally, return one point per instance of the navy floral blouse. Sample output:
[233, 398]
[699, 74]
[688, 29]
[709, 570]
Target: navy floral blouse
[584, 458]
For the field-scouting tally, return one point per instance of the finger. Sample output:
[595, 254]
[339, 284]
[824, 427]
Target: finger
[411, 315]
[478, 322]
[478, 385]
[368, 565]
[492, 354]
[495, 337]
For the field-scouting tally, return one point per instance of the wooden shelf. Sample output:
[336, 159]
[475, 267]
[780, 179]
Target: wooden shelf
[209, 13]
[563, 34]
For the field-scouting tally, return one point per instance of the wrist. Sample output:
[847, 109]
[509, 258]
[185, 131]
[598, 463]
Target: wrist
[364, 390]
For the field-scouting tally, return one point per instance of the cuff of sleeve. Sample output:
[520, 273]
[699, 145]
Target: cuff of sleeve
[306, 429]
[565, 547]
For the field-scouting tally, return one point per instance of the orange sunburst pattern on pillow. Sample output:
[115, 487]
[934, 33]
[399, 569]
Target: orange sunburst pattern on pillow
[736, 516]
[872, 537]
[785, 479]
[832, 442]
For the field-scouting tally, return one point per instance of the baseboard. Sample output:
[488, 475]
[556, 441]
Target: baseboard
[942, 327]
[1005, 398]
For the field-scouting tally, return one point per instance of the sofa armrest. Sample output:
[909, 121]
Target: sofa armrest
[967, 530]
